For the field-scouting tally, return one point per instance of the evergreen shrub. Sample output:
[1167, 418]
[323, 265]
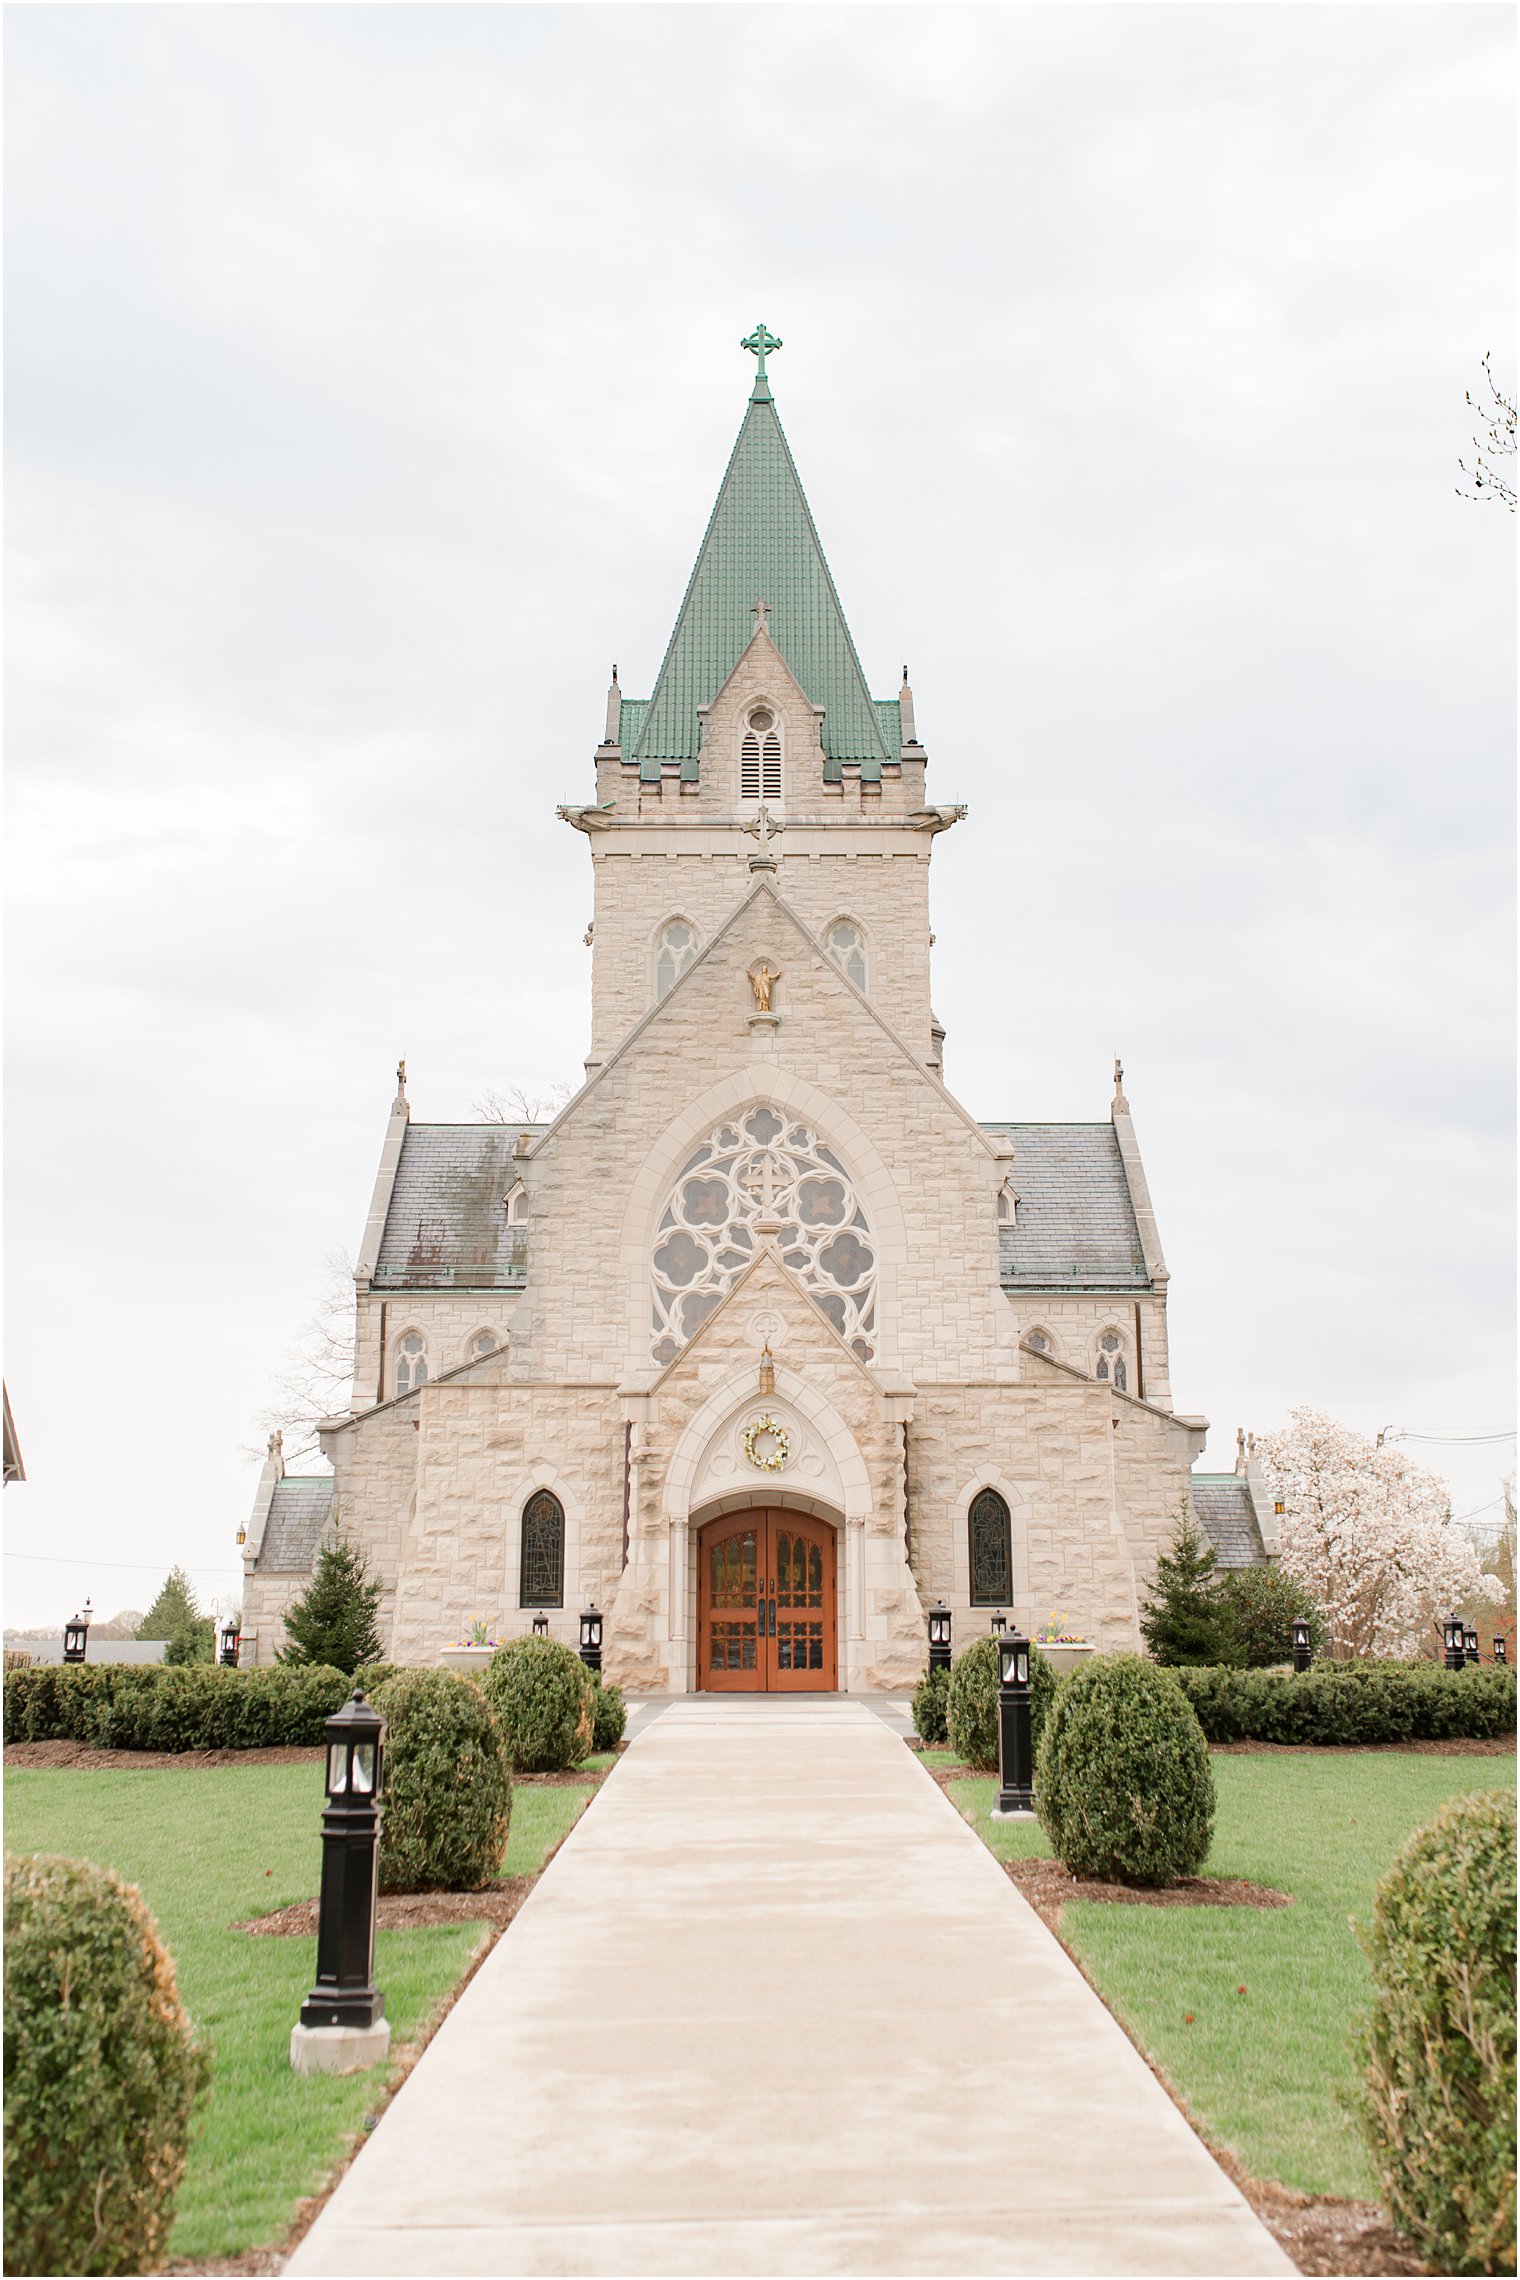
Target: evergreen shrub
[445, 1785]
[1263, 1604]
[1123, 1783]
[102, 2073]
[1352, 1704]
[1437, 2094]
[971, 1714]
[137, 1706]
[1187, 1619]
[333, 1621]
[609, 1716]
[544, 1699]
[931, 1703]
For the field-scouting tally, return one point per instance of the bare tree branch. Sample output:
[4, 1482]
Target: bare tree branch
[519, 1106]
[1489, 475]
[317, 1377]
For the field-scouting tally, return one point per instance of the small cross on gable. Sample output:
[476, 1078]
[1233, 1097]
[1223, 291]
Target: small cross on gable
[761, 612]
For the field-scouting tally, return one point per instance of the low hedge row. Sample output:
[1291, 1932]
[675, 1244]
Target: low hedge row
[1401, 1702]
[126, 1706]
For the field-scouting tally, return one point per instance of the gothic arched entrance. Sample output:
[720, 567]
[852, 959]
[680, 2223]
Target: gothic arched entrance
[767, 1604]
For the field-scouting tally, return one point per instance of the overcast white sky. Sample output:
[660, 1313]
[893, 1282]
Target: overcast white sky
[370, 373]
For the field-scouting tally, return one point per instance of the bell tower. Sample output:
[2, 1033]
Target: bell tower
[761, 727]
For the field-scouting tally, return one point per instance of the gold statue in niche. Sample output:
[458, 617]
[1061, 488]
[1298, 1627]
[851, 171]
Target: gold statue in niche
[762, 979]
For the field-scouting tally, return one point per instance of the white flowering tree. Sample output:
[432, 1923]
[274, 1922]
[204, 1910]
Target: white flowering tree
[1370, 1537]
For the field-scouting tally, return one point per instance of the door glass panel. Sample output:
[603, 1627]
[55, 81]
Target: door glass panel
[733, 1571]
[815, 1575]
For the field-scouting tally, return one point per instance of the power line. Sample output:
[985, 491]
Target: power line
[145, 1567]
[1450, 1440]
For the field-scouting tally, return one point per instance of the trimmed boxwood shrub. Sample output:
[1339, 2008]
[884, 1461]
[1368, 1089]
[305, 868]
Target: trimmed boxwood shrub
[609, 1716]
[136, 1706]
[971, 1720]
[446, 1786]
[544, 1699]
[931, 1702]
[1438, 2050]
[102, 2073]
[1351, 1704]
[1123, 1783]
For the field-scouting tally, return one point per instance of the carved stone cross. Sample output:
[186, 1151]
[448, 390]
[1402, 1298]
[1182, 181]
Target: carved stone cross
[760, 612]
[764, 827]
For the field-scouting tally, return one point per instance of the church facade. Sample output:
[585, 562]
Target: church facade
[765, 1342]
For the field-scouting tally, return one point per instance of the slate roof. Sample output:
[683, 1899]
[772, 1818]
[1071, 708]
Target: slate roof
[760, 543]
[1227, 1515]
[1075, 1225]
[297, 1517]
[446, 1227]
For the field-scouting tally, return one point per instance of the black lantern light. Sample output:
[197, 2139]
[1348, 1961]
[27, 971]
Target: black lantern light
[231, 1640]
[591, 1636]
[76, 1636]
[540, 1625]
[939, 1636]
[1501, 1649]
[345, 1994]
[1474, 1656]
[1302, 1656]
[1454, 1632]
[999, 1624]
[1015, 1734]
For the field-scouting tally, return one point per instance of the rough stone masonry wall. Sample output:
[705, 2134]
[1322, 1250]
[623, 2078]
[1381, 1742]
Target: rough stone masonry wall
[597, 1185]
[1089, 1501]
[447, 1320]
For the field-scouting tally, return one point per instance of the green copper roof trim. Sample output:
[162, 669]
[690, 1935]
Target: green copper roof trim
[760, 544]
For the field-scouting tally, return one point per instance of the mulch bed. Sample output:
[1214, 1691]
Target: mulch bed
[77, 1757]
[1047, 1886]
[1498, 1745]
[497, 1904]
[1325, 2237]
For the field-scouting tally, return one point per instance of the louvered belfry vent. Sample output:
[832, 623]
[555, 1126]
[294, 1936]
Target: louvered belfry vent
[760, 759]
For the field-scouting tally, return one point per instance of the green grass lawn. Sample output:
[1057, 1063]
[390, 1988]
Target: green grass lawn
[1261, 2071]
[210, 1848]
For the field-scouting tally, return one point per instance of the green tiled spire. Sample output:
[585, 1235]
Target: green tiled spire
[761, 545]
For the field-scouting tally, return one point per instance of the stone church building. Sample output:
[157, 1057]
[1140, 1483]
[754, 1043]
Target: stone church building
[766, 1341]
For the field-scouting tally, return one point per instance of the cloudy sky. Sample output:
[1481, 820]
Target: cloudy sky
[370, 372]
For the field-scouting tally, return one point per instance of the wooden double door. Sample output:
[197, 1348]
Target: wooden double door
[767, 1594]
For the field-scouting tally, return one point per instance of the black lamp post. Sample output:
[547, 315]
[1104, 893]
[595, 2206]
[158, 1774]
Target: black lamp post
[1471, 1643]
[591, 1637]
[231, 1638]
[540, 1625]
[1015, 1744]
[1501, 1649]
[76, 1636]
[939, 1636]
[345, 1994]
[1302, 1656]
[1454, 1632]
[999, 1624]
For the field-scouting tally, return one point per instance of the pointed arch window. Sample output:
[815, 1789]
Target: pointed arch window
[484, 1342]
[1111, 1364]
[760, 756]
[675, 952]
[542, 1578]
[990, 1529]
[411, 1363]
[846, 945]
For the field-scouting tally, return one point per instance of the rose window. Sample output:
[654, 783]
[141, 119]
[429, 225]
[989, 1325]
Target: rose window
[763, 1169]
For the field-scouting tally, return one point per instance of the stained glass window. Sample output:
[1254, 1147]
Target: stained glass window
[1039, 1341]
[543, 1552]
[991, 1534]
[1111, 1363]
[678, 947]
[763, 1167]
[411, 1363]
[846, 945]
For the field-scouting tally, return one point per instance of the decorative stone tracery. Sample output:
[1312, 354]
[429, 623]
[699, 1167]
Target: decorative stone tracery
[763, 1174]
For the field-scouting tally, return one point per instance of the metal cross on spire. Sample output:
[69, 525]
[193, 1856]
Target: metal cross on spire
[761, 344]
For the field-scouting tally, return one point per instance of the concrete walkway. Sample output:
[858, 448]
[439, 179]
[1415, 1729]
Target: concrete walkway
[773, 2008]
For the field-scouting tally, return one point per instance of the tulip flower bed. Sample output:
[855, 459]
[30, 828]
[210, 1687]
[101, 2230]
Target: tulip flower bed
[210, 1848]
